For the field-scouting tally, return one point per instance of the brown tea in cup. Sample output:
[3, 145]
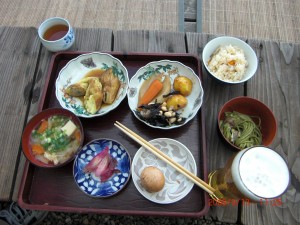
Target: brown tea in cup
[56, 32]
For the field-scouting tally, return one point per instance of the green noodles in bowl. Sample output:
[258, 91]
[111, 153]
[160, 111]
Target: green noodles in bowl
[244, 122]
[241, 130]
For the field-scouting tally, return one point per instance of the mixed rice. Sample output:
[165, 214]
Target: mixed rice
[228, 63]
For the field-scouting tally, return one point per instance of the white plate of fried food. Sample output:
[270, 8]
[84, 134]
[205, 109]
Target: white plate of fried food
[92, 84]
[165, 94]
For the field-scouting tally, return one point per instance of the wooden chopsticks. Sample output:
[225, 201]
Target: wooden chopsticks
[196, 180]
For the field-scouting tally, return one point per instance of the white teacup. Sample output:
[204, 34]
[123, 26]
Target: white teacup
[56, 34]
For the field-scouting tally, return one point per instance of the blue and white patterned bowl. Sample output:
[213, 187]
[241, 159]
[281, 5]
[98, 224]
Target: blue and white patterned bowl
[90, 184]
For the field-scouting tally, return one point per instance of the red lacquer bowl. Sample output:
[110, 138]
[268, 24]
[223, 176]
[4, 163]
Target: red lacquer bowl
[34, 123]
[255, 108]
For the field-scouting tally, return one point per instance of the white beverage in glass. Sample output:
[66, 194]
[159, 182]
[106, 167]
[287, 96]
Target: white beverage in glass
[256, 174]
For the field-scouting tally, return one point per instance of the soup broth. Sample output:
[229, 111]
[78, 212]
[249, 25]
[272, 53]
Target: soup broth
[95, 73]
[55, 140]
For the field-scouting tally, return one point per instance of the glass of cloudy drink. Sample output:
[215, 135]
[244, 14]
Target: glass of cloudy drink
[256, 174]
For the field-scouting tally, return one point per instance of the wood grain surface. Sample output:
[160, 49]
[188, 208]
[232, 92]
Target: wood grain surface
[277, 83]
[215, 95]
[18, 58]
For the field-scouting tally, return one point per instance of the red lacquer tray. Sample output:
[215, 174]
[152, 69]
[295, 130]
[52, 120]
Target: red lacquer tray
[55, 189]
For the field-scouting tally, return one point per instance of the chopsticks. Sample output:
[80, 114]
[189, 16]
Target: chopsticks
[196, 180]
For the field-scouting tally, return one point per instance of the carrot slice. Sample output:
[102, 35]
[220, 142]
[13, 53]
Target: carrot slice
[151, 92]
[43, 126]
[77, 135]
[232, 62]
[37, 149]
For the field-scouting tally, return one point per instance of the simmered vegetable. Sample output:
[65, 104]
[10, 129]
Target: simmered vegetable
[183, 84]
[176, 102]
[151, 92]
[158, 114]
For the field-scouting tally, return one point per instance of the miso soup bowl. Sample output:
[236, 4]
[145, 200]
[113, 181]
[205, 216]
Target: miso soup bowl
[35, 122]
[61, 44]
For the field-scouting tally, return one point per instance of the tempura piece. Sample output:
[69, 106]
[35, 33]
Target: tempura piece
[111, 85]
[77, 89]
[93, 96]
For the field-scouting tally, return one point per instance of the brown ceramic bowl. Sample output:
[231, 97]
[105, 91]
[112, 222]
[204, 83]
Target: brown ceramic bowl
[255, 108]
[35, 122]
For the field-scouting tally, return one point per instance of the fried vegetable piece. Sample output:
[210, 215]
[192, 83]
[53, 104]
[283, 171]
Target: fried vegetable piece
[93, 96]
[77, 89]
[111, 85]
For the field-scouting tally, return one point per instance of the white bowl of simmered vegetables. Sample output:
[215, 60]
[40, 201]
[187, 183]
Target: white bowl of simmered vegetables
[245, 122]
[165, 94]
[52, 138]
[93, 84]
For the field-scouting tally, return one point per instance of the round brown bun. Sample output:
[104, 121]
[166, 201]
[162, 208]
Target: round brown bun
[152, 179]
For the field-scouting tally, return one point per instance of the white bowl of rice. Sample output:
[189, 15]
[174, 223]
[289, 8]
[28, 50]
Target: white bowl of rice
[229, 60]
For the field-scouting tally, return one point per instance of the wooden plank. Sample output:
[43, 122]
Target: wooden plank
[86, 40]
[181, 8]
[18, 56]
[215, 95]
[149, 41]
[190, 27]
[190, 10]
[199, 16]
[277, 83]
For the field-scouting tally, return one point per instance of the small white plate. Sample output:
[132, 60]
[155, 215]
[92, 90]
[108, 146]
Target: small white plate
[173, 69]
[177, 186]
[77, 68]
